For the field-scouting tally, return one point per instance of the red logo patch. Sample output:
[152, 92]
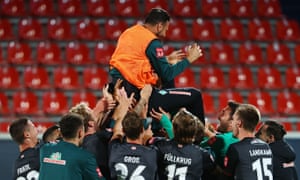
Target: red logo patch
[225, 161]
[159, 52]
[212, 140]
[99, 172]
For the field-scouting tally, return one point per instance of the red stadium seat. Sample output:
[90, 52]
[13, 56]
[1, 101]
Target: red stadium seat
[204, 30]
[212, 78]
[177, 31]
[66, 78]
[185, 79]
[4, 106]
[19, 53]
[42, 125]
[297, 53]
[226, 96]
[2, 61]
[70, 8]
[260, 30]
[88, 29]
[185, 8]
[77, 53]
[288, 103]
[42, 8]
[168, 49]
[26, 103]
[232, 30]
[98, 8]
[278, 54]
[103, 52]
[95, 78]
[55, 103]
[221, 53]
[241, 78]
[4, 126]
[209, 104]
[48, 53]
[263, 101]
[14, 8]
[59, 29]
[36, 78]
[269, 78]
[6, 32]
[9, 78]
[114, 27]
[250, 54]
[149, 4]
[298, 126]
[287, 30]
[241, 8]
[269, 8]
[213, 8]
[292, 78]
[288, 126]
[127, 8]
[30, 29]
[85, 97]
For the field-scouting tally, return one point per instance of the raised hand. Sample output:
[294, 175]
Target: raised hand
[193, 52]
[175, 56]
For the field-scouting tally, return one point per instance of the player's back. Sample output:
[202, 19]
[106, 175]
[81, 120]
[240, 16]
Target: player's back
[132, 161]
[177, 161]
[64, 160]
[249, 159]
[28, 164]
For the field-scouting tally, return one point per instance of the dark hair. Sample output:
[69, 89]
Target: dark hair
[276, 129]
[249, 115]
[49, 132]
[17, 128]
[70, 124]
[132, 125]
[157, 15]
[185, 127]
[233, 106]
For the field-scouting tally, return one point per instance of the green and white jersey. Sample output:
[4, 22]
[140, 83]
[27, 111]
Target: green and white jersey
[66, 161]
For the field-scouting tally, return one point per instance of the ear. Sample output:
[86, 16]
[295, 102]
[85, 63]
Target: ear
[80, 133]
[239, 123]
[91, 124]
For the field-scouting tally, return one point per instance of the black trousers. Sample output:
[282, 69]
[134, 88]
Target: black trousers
[172, 99]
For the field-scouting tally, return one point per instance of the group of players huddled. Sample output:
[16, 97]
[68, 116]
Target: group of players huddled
[144, 128]
[114, 140]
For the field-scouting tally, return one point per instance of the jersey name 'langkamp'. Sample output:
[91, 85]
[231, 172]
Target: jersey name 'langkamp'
[259, 152]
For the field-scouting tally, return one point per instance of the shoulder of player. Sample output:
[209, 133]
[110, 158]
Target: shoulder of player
[155, 43]
[30, 152]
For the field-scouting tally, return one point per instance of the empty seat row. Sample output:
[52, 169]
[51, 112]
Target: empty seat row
[284, 103]
[49, 53]
[66, 78]
[80, 53]
[61, 29]
[201, 29]
[53, 102]
[234, 30]
[240, 78]
[134, 8]
[210, 78]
